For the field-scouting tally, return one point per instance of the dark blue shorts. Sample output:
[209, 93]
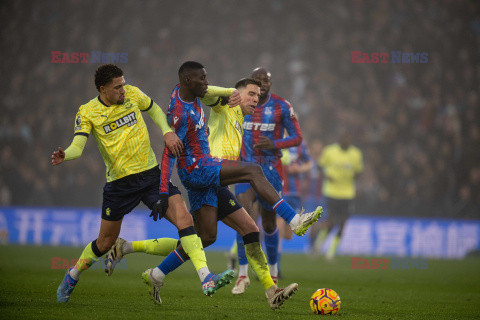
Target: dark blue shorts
[123, 195]
[202, 183]
[224, 201]
[227, 203]
[272, 176]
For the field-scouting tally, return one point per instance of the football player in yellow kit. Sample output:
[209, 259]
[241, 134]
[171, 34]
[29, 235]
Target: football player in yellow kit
[114, 119]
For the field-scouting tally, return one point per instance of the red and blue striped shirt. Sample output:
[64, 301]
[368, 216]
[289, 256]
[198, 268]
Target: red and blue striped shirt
[271, 120]
[187, 119]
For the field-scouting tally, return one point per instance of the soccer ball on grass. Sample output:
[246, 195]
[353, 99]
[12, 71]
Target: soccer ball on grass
[325, 301]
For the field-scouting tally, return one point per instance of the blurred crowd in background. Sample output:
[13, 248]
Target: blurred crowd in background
[418, 124]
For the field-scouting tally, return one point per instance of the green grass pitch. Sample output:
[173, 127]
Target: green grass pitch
[28, 284]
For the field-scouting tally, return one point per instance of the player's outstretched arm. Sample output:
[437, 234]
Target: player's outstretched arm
[213, 96]
[214, 91]
[173, 143]
[72, 152]
[178, 121]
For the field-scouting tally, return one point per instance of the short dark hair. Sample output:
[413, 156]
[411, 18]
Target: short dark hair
[243, 83]
[105, 73]
[188, 66]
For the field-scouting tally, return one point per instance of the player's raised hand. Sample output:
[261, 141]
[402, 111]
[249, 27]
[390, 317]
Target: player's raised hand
[264, 143]
[58, 156]
[173, 143]
[234, 99]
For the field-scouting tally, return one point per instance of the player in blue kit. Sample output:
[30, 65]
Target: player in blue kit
[204, 176]
[263, 137]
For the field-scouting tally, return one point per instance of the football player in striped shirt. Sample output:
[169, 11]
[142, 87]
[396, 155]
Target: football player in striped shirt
[174, 257]
[115, 120]
[203, 176]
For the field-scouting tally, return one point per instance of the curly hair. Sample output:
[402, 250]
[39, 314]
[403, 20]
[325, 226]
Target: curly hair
[105, 73]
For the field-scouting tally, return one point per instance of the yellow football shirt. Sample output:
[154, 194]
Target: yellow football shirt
[226, 130]
[120, 133]
[339, 167]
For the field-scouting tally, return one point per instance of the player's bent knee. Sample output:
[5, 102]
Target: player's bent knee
[207, 243]
[269, 226]
[184, 220]
[208, 239]
[242, 197]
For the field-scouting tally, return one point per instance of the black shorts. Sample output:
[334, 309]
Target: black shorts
[338, 210]
[227, 204]
[123, 195]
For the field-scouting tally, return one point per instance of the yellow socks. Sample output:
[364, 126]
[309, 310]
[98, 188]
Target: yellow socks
[256, 258]
[159, 247]
[89, 255]
[194, 248]
[87, 258]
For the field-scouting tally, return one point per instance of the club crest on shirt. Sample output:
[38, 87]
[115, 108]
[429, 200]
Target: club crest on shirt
[127, 103]
[268, 111]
